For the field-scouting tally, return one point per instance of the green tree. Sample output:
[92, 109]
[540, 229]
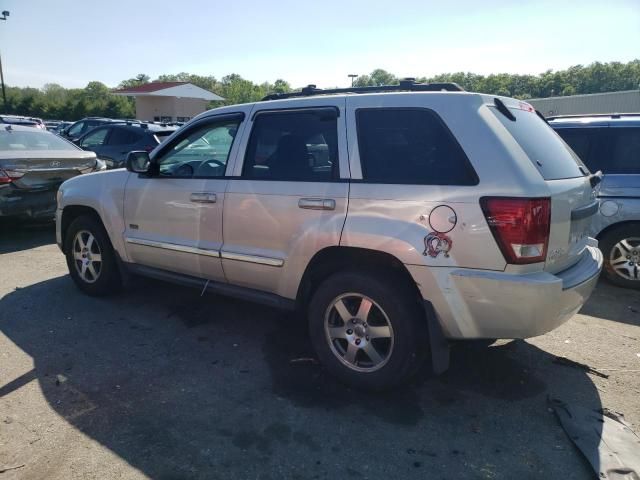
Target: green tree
[138, 80]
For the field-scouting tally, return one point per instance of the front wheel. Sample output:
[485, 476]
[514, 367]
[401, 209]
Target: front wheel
[621, 250]
[90, 257]
[367, 330]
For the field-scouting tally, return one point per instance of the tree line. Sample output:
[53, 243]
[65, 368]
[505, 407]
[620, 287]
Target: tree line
[96, 99]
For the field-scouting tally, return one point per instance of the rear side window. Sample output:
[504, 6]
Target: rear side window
[625, 151]
[544, 147]
[580, 140]
[124, 136]
[294, 145]
[410, 146]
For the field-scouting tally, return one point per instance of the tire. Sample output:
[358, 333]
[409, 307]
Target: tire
[394, 310]
[627, 273]
[104, 279]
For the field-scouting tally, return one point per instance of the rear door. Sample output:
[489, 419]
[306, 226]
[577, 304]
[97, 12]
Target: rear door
[573, 200]
[288, 198]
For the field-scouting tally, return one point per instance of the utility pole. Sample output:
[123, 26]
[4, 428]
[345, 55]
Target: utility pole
[352, 76]
[4, 16]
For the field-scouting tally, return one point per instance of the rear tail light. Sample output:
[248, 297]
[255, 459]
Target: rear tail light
[520, 227]
[8, 176]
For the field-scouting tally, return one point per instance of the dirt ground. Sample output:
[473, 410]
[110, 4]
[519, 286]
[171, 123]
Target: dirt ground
[159, 382]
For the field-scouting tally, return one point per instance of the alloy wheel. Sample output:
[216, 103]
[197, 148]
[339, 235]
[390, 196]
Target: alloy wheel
[87, 256]
[359, 332]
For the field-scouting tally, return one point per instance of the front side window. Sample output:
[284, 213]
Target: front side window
[625, 151]
[201, 152]
[300, 145]
[76, 129]
[95, 138]
[410, 146]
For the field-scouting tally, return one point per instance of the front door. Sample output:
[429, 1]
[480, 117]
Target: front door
[287, 199]
[173, 219]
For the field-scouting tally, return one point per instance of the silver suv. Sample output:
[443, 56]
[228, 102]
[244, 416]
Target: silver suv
[396, 218]
[611, 143]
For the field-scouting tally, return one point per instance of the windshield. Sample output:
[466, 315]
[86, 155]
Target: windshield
[553, 158]
[35, 140]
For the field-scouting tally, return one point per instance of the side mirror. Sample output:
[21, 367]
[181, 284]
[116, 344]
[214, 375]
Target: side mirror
[138, 162]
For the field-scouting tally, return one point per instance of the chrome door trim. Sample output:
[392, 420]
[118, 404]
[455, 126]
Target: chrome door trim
[174, 247]
[241, 257]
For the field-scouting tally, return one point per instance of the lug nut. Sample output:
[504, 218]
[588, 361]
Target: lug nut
[357, 341]
[628, 257]
[353, 320]
[349, 332]
[364, 324]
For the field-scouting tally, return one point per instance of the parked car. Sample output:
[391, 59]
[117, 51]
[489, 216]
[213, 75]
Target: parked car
[112, 142]
[611, 143]
[79, 128]
[21, 120]
[60, 127]
[396, 220]
[33, 163]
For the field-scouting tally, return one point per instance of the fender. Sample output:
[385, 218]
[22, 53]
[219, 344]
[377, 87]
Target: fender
[103, 192]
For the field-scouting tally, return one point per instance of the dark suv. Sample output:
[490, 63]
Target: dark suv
[112, 142]
[79, 128]
[611, 143]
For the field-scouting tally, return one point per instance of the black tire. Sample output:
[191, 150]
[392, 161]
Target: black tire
[407, 321]
[107, 280]
[608, 243]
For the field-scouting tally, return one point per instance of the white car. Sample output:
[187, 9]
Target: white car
[396, 218]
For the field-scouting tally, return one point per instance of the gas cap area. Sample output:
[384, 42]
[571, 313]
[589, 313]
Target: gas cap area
[609, 208]
[442, 219]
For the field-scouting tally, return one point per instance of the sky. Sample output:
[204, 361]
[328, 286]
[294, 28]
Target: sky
[72, 42]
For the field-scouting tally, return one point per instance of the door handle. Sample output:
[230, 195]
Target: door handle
[317, 203]
[203, 197]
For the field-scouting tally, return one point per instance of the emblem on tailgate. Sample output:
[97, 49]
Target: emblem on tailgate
[55, 164]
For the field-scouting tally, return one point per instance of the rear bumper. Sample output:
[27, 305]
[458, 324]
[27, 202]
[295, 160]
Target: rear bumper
[487, 304]
[15, 202]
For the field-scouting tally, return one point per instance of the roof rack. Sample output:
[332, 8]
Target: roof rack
[405, 85]
[599, 115]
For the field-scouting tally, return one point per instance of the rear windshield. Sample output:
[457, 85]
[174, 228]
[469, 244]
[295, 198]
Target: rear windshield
[36, 140]
[547, 151]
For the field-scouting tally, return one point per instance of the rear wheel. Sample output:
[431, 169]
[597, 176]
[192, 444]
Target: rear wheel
[90, 257]
[368, 331]
[621, 250]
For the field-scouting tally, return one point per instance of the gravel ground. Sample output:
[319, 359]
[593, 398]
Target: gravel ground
[158, 382]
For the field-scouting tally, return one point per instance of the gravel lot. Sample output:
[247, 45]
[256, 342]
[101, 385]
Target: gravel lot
[159, 382]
